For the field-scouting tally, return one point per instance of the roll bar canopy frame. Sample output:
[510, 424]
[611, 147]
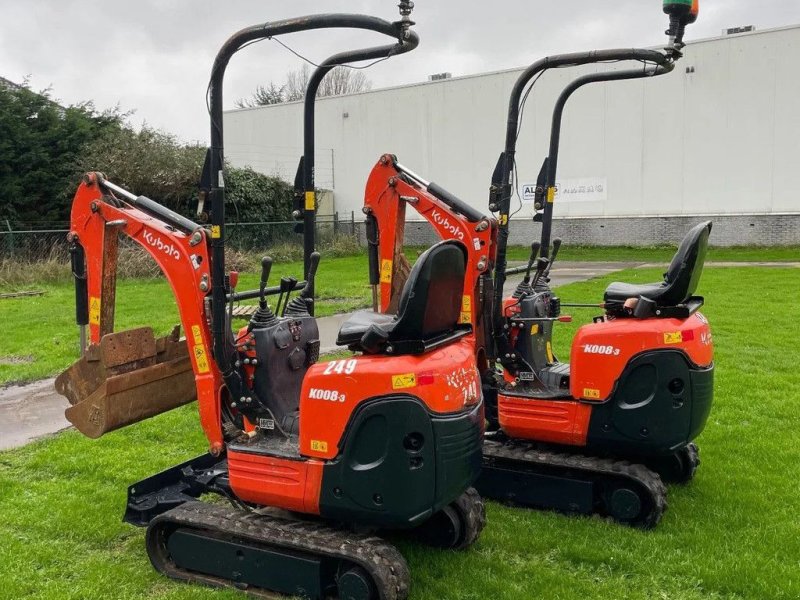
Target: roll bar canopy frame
[662, 62]
[406, 40]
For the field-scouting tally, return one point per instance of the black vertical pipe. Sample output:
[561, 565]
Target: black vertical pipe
[555, 137]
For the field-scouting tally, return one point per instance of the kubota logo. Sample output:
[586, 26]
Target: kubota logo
[157, 243]
[442, 220]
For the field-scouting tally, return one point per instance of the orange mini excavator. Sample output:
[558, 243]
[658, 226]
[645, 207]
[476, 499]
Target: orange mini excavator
[388, 439]
[598, 434]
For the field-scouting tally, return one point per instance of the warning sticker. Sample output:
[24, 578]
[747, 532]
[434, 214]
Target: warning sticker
[551, 195]
[319, 446]
[550, 357]
[591, 393]
[196, 334]
[201, 359]
[216, 232]
[402, 382]
[94, 311]
[311, 201]
[673, 338]
[386, 271]
[466, 310]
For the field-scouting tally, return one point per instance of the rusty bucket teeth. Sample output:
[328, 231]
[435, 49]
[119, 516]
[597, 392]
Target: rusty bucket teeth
[130, 376]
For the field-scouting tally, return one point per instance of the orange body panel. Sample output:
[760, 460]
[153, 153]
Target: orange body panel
[445, 380]
[384, 197]
[272, 481]
[185, 265]
[600, 351]
[556, 421]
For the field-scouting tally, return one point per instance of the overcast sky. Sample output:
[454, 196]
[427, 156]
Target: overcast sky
[154, 57]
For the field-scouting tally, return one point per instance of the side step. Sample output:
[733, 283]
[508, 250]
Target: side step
[521, 473]
[263, 554]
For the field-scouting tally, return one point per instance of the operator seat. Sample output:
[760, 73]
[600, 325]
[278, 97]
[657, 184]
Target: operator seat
[680, 280]
[428, 312]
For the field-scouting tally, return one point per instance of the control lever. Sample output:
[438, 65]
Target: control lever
[553, 255]
[287, 285]
[313, 263]
[266, 268]
[535, 246]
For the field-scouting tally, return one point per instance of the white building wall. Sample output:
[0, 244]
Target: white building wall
[724, 139]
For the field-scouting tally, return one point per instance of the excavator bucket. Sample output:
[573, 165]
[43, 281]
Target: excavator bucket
[129, 377]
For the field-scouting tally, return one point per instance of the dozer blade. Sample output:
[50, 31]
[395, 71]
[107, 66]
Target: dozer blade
[129, 377]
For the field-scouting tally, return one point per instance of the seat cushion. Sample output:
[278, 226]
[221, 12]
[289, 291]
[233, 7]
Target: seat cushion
[354, 328]
[618, 292]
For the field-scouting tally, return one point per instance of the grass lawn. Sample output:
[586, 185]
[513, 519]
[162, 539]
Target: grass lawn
[733, 533]
[41, 339]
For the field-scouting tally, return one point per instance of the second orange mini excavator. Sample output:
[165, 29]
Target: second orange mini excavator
[600, 433]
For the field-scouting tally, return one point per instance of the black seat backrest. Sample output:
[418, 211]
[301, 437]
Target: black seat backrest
[684, 271]
[431, 300]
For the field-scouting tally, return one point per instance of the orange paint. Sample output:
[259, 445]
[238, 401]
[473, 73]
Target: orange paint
[445, 380]
[555, 421]
[272, 481]
[600, 351]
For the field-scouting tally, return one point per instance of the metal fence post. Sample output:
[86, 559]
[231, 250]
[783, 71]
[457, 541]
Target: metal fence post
[10, 240]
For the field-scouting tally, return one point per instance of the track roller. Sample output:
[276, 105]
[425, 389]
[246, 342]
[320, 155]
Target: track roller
[266, 555]
[680, 467]
[457, 526]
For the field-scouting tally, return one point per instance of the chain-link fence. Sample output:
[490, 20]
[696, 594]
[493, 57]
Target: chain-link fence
[41, 241]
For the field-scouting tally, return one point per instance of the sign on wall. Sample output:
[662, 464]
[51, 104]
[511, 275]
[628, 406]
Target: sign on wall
[584, 189]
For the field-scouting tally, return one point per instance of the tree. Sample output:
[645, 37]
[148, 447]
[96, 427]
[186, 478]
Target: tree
[156, 164]
[150, 163]
[40, 141]
[263, 96]
[339, 81]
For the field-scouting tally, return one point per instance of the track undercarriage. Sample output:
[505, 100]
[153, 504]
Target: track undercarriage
[265, 550]
[536, 475]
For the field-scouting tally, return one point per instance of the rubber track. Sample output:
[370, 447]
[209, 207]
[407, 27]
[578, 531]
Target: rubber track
[581, 466]
[382, 561]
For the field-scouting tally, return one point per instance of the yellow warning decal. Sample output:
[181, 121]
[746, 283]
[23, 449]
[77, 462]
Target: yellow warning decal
[319, 446]
[216, 232]
[201, 359]
[503, 219]
[673, 338]
[534, 329]
[551, 194]
[592, 394]
[466, 309]
[386, 271]
[196, 334]
[550, 357]
[94, 311]
[311, 201]
[403, 382]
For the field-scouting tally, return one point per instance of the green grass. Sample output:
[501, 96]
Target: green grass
[40, 337]
[733, 533]
[663, 254]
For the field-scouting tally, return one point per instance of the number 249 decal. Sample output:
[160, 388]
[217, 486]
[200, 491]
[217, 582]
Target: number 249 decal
[338, 367]
[598, 349]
